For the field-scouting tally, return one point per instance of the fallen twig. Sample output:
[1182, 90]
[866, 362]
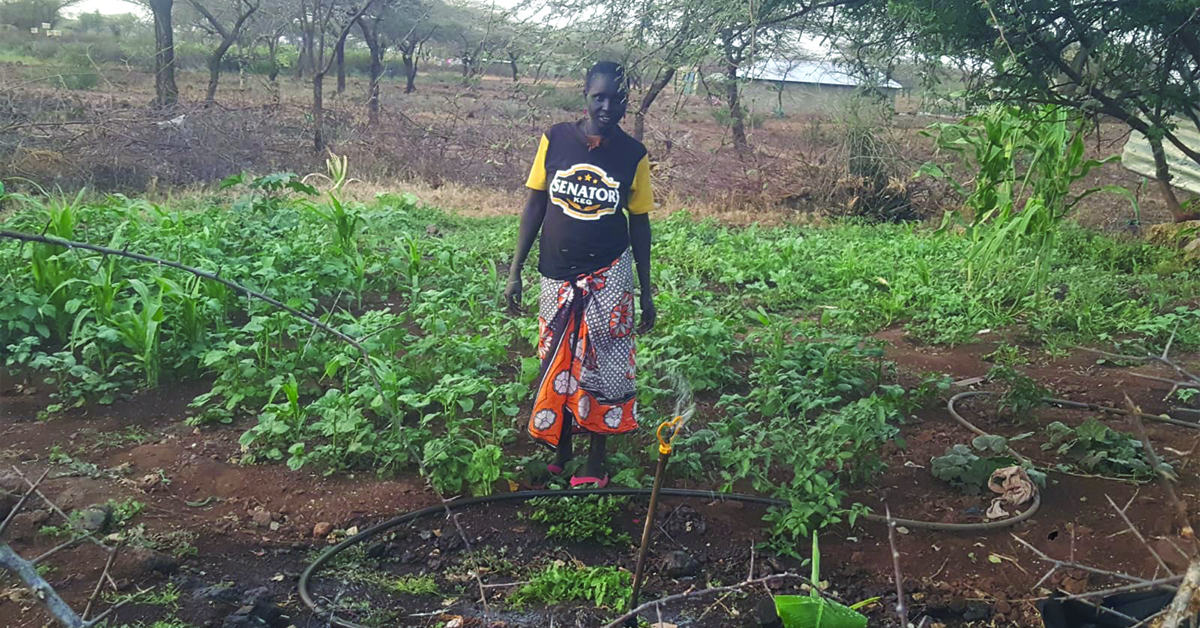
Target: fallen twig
[704, 592]
[1057, 564]
[21, 502]
[901, 607]
[112, 555]
[1161, 359]
[1181, 607]
[1138, 534]
[1066, 403]
[1164, 476]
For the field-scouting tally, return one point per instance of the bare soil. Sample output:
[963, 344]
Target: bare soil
[207, 497]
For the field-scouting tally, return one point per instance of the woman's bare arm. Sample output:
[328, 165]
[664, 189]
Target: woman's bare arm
[639, 240]
[531, 223]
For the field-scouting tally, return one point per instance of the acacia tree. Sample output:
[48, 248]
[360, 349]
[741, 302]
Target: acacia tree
[664, 35]
[410, 52]
[270, 31]
[471, 31]
[229, 34]
[333, 25]
[747, 34]
[1137, 61]
[27, 14]
[166, 92]
[385, 26]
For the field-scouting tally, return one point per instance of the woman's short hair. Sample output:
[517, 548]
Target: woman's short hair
[606, 68]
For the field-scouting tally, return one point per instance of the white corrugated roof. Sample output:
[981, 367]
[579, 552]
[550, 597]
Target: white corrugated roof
[1138, 158]
[816, 72]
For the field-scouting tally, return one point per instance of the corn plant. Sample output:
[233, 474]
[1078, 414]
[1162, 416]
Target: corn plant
[347, 220]
[1023, 163]
[189, 320]
[139, 328]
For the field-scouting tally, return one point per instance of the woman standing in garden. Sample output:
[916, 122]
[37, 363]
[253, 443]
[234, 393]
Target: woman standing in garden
[586, 177]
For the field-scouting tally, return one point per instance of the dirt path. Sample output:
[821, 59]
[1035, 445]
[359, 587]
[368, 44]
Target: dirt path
[251, 526]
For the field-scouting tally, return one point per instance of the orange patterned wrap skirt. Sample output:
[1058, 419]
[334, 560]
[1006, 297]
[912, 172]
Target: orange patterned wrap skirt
[586, 346]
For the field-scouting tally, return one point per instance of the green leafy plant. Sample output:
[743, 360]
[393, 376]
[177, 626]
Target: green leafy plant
[1023, 394]
[970, 468]
[1097, 448]
[606, 587]
[814, 611]
[415, 585]
[139, 328]
[166, 596]
[587, 519]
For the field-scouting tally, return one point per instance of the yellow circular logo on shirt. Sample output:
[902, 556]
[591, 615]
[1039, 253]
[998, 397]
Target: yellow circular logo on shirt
[585, 191]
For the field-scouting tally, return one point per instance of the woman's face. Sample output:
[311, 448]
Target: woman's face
[606, 102]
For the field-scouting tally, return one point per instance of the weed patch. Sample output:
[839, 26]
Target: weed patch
[1094, 447]
[579, 520]
[606, 587]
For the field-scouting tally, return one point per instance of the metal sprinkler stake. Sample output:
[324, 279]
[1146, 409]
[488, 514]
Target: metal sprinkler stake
[665, 446]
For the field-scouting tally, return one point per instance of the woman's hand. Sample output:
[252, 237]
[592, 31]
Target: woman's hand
[649, 314]
[512, 293]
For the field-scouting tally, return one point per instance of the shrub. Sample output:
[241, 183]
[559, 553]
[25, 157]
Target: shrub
[753, 120]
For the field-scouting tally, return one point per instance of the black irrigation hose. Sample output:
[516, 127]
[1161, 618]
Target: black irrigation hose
[438, 509]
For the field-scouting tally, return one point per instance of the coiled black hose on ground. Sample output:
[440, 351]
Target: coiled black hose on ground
[439, 509]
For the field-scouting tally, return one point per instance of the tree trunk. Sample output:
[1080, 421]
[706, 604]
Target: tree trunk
[304, 59]
[273, 56]
[373, 99]
[737, 115]
[341, 66]
[656, 88]
[512, 61]
[166, 92]
[318, 112]
[371, 37]
[1162, 174]
[214, 70]
[410, 72]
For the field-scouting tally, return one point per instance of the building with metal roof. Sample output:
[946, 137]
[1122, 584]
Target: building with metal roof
[785, 86]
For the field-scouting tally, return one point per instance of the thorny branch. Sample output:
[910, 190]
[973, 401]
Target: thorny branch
[1164, 475]
[27, 572]
[901, 607]
[1138, 535]
[695, 593]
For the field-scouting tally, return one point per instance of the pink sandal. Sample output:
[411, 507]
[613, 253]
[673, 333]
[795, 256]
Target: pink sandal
[555, 469]
[580, 481]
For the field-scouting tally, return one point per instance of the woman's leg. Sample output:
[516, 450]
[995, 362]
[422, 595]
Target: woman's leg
[596, 455]
[564, 452]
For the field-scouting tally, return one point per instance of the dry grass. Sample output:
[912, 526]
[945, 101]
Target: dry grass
[463, 147]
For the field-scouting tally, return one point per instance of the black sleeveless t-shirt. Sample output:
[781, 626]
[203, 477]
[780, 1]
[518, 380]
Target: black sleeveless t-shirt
[585, 228]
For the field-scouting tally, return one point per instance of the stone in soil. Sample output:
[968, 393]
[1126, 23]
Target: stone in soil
[322, 530]
[257, 608]
[450, 542]
[146, 560]
[680, 564]
[8, 501]
[260, 517]
[227, 593]
[94, 519]
[379, 550]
